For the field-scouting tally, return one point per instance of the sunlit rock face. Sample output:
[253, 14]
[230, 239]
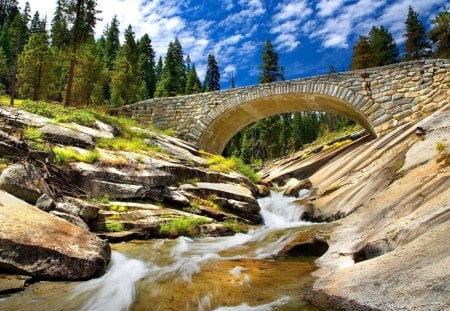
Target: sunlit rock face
[35, 243]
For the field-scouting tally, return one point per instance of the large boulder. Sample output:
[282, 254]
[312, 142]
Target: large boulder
[24, 181]
[36, 243]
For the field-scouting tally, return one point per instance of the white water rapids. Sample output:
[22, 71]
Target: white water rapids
[184, 257]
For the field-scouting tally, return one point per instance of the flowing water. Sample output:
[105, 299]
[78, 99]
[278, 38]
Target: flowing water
[238, 272]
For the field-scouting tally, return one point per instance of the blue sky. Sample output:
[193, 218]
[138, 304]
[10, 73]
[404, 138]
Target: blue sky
[308, 35]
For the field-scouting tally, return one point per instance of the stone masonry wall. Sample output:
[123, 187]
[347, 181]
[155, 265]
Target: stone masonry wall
[387, 96]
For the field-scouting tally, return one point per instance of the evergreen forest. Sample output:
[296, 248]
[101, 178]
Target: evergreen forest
[61, 60]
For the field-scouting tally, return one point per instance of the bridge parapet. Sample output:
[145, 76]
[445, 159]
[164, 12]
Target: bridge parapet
[380, 99]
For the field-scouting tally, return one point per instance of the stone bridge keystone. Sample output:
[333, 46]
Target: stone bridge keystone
[379, 99]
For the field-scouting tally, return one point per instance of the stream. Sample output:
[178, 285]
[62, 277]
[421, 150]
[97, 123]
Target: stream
[238, 272]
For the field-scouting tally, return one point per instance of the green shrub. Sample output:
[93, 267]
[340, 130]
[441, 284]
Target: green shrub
[181, 226]
[114, 227]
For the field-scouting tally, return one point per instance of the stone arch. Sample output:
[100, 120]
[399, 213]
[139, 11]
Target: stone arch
[225, 123]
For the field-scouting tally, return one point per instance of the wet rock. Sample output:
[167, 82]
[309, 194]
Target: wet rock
[75, 220]
[46, 247]
[263, 190]
[235, 199]
[293, 186]
[45, 203]
[24, 181]
[65, 136]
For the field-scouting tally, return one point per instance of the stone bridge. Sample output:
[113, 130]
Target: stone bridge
[379, 99]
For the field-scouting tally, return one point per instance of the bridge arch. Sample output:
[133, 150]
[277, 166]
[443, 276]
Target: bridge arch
[225, 124]
[380, 99]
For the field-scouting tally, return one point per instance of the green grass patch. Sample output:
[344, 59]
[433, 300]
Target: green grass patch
[235, 226]
[246, 170]
[181, 226]
[64, 155]
[135, 144]
[118, 208]
[114, 227]
[220, 164]
[34, 137]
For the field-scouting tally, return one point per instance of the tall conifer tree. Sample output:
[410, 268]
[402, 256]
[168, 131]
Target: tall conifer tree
[212, 76]
[82, 15]
[35, 71]
[269, 69]
[173, 76]
[146, 64]
[362, 54]
[59, 33]
[440, 34]
[416, 44]
[383, 47]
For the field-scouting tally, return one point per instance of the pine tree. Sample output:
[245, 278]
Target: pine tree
[35, 71]
[233, 82]
[212, 76]
[270, 71]
[19, 33]
[127, 86]
[193, 84]
[8, 11]
[3, 70]
[416, 44]
[59, 32]
[90, 73]
[37, 25]
[112, 42]
[362, 54]
[440, 34]
[159, 70]
[146, 64]
[81, 14]
[384, 51]
[173, 76]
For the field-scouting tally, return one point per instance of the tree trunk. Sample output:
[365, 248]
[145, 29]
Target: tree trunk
[68, 95]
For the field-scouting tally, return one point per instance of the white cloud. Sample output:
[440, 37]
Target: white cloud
[328, 7]
[243, 19]
[297, 9]
[286, 23]
[228, 5]
[286, 42]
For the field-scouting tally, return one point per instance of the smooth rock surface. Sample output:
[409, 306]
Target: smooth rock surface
[36, 243]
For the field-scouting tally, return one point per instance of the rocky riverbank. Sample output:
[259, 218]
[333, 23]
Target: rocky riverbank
[66, 188]
[388, 200]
